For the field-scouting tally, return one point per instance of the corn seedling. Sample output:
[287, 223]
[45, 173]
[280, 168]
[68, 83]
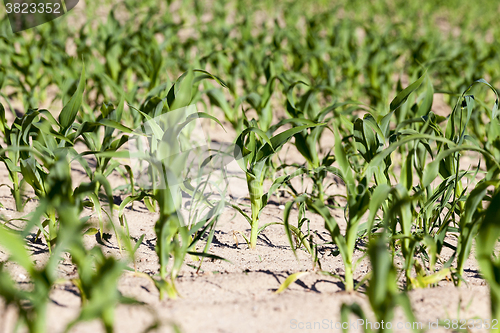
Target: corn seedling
[382, 291]
[253, 151]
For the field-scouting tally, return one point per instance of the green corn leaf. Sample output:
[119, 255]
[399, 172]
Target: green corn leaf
[138, 243]
[115, 125]
[426, 105]
[286, 219]
[241, 139]
[370, 121]
[331, 225]
[218, 99]
[207, 75]
[431, 170]
[3, 121]
[183, 91]
[195, 116]
[469, 100]
[277, 141]
[380, 194]
[403, 95]
[70, 110]
[384, 124]
[494, 111]
[378, 160]
[345, 166]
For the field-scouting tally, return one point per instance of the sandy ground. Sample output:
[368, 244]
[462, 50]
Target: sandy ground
[238, 296]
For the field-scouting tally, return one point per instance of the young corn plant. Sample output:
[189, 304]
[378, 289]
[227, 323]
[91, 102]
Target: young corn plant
[397, 209]
[11, 158]
[27, 156]
[307, 141]
[97, 283]
[175, 237]
[301, 239]
[39, 144]
[68, 204]
[382, 291]
[65, 132]
[253, 152]
[467, 204]
[97, 275]
[370, 137]
[103, 149]
[167, 129]
[34, 316]
[427, 238]
[358, 198]
[32, 147]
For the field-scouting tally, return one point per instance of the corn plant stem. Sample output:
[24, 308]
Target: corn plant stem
[321, 194]
[16, 189]
[254, 233]
[349, 276]
[16, 193]
[458, 189]
[160, 229]
[255, 189]
[254, 228]
[52, 228]
[351, 235]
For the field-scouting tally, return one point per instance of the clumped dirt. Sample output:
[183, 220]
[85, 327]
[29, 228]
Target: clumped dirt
[237, 296]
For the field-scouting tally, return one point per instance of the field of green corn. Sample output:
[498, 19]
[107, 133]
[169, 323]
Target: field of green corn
[349, 168]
